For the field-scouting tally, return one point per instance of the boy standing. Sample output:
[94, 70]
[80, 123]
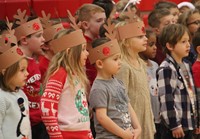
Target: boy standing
[113, 115]
[29, 34]
[175, 85]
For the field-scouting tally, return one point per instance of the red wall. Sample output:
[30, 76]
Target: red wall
[9, 7]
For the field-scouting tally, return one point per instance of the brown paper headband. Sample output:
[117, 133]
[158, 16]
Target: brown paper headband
[50, 30]
[25, 27]
[10, 55]
[69, 40]
[107, 49]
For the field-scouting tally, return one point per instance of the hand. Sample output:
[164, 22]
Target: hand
[178, 132]
[128, 134]
[136, 133]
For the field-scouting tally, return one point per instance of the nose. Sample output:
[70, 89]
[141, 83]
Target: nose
[26, 73]
[43, 40]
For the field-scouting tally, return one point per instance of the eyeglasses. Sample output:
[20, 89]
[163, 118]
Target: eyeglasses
[197, 22]
[20, 102]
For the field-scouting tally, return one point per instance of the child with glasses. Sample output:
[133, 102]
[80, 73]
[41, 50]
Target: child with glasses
[14, 110]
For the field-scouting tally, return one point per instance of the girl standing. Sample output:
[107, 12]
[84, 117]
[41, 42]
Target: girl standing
[14, 110]
[64, 102]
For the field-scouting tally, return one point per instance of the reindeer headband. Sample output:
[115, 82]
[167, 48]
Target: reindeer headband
[134, 28]
[25, 27]
[50, 30]
[10, 55]
[69, 40]
[107, 49]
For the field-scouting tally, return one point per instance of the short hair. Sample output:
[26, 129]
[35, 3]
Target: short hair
[86, 11]
[165, 4]
[150, 32]
[184, 17]
[99, 41]
[172, 34]
[196, 40]
[155, 16]
[107, 5]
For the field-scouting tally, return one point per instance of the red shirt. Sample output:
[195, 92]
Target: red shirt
[90, 69]
[33, 90]
[43, 66]
[196, 73]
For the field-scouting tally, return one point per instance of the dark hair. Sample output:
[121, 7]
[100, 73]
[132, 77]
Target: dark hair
[165, 4]
[99, 41]
[172, 34]
[149, 32]
[155, 16]
[196, 40]
[107, 5]
[3, 26]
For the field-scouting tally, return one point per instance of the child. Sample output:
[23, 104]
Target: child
[91, 17]
[158, 19]
[175, 85]
[29, 35]
[133, 71]
[152, 66]
[50, 30]
[113, 115]
[14, 111]
[64, 102]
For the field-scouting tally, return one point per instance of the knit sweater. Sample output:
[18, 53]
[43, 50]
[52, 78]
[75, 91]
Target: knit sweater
[64, 108]
[135, 81]
[14, 124]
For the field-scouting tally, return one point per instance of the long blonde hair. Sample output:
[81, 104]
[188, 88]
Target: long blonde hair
[70, 61]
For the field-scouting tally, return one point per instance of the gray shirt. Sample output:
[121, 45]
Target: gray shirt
[110, 94]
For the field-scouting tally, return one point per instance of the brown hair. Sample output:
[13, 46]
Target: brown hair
[155, 16]
[86, 11]
[172, 34]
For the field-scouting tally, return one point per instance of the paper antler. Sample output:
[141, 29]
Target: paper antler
[45, 20]
[21, 16]
[73, 21]
[110, 30]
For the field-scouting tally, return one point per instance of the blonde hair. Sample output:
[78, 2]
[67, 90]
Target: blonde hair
[70, 61]
[86, 11]
[124, 43]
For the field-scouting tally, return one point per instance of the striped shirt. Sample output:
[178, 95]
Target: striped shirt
[176, 107]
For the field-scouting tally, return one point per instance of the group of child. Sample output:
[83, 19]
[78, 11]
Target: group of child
[56, 83]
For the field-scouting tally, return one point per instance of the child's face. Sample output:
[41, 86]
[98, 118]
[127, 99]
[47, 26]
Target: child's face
[95, 22]
[84, 55]
[164, 21]
[35, 42]
[193, 22]
[138, 44]
[19, 79]
[111, 65]
[150, 52]
[175, 13]
[182, 48]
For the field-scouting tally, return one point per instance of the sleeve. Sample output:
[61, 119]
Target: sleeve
[2, 114]
[98, 99]
[167, 82]
[49, 104]
[123, 75]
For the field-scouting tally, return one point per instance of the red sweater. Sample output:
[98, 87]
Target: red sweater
[43, 66]
[196, 73]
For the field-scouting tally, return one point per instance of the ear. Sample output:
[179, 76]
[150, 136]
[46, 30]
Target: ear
[67, 50]
[198, 49]
[23, 40]
[169, 47]
[84, 25]
[99, 64]
[3, 71]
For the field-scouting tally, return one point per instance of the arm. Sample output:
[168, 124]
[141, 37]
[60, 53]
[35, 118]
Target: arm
[108, 124]
[49, 104]
[167, 82]
[135, 122]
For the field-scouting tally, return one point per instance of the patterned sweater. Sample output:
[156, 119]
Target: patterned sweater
[64, 108]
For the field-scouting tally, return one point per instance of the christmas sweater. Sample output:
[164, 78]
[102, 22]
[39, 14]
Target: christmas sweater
[14, 115]
[64, 108]
[33, 90]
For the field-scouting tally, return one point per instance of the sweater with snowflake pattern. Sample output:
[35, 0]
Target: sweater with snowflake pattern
[64, 108]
